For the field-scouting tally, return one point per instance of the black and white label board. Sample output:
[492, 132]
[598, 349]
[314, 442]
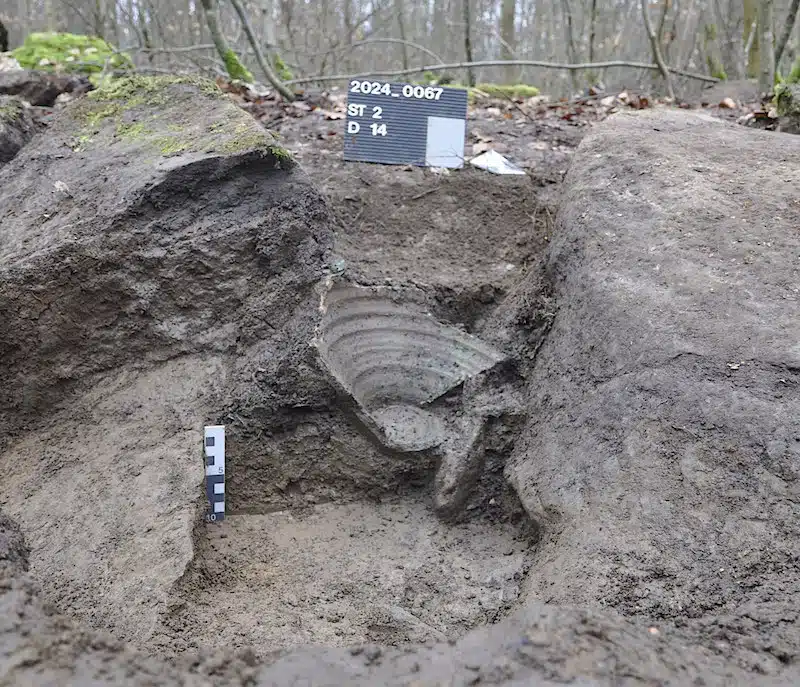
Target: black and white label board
[401, 123]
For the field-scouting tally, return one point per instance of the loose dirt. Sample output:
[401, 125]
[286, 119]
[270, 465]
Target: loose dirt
[388, 573]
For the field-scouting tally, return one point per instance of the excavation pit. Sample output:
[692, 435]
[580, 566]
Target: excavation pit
[344, 574]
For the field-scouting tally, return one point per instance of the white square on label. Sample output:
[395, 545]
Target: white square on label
[219, 488]
[445, 144]
[219, 507]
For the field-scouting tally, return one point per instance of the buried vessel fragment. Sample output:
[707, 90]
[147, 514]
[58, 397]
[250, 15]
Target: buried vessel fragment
[417, 385]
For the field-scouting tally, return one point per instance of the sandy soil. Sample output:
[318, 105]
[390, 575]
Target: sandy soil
[388, 573]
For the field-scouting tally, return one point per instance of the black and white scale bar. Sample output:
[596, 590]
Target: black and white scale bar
[399, 123]
[215, 472]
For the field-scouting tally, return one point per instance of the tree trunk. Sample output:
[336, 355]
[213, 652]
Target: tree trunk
[572, 52]
[235, 69]
[272, 77]
[787, 32]
[751, 38]
[592, 31]
[507, 21]
[468, 41]
[399, 11]
[657, 50]
[766, 71]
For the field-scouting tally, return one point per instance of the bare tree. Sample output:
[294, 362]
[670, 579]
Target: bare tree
[657, 50]
[234, 67]
[468, 40]
[766, 72]
[329, 37]
[787, 31]
[272, 77]
[507, 33]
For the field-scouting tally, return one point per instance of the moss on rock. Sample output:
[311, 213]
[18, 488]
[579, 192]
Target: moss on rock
[156, 112]
[516, 91]
[787, 105]
[10, 110]
[69, 52]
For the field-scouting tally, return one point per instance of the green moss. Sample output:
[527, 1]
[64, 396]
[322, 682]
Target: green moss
[500, 91]
[10, 111]
[513, 91]
[69, 52]
[133, 130]
[171, 145]
[143, 109]
[284, 73]
[794, 73]
[235, 69]
[125, 93]
[716, 69]
[151, 87]
[280, 154]
[787, 100]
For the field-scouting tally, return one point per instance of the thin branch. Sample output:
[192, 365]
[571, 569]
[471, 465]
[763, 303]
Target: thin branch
[272, 77]
[367, 41]
[187, 48]
[661, 65]
[502, 63]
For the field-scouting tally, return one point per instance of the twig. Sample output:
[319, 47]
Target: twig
[502, 63]
[183, 48]
[425, 193]
[660, 64]
[368, 41]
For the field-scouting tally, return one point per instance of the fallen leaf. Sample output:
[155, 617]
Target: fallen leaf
[330, 115]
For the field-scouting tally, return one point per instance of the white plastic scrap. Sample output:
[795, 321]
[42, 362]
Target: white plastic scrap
[494, 162]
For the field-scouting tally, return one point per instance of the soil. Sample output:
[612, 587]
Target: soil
[340, 575]
[632, 518]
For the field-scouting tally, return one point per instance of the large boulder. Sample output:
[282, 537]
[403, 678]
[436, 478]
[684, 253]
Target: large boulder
[154, 241]
[16, 127]
[662, 458]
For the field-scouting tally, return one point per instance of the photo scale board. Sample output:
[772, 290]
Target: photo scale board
[214, 445]
[400, 123]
